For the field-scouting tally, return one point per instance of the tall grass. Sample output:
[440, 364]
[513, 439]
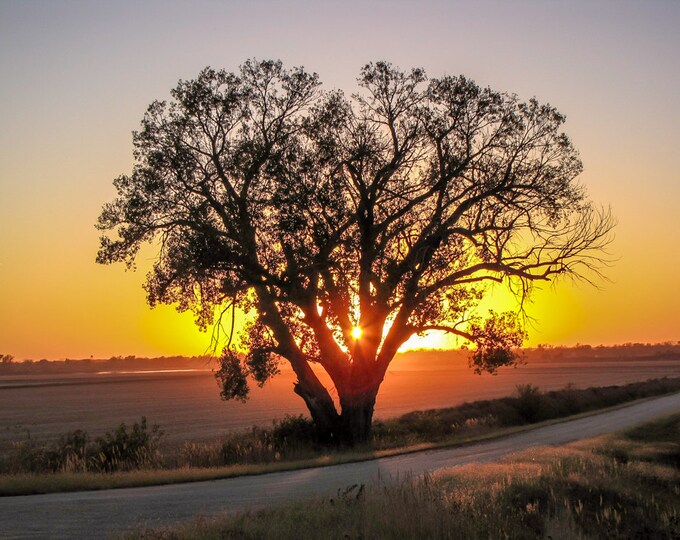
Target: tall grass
[612, 487]
[529, 406]
[122, 449]
[292, 438]
[139, 448]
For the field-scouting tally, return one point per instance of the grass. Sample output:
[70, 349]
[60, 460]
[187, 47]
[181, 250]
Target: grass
[130, 458]
[34, 484]
[619, 486]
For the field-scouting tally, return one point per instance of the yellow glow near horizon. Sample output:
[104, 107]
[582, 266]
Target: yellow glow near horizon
[357, 332]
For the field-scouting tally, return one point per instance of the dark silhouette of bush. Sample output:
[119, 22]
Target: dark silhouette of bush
[124, 450]
[530, 403]
[252, 447]
[70, 453]
[26, 455]
[293, 431]
[293, 435]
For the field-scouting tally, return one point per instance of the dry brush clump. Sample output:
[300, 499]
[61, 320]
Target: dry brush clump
[291, 438]
[122, 449]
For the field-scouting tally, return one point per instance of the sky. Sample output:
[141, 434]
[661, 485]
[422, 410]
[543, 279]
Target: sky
[76, 78]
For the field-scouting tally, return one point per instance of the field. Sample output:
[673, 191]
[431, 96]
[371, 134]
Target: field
[187, 404]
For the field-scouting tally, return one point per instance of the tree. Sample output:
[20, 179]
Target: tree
[347, 225]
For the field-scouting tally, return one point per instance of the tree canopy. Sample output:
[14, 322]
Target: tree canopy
[389, 211]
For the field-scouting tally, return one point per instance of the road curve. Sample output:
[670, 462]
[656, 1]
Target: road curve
[98, 514]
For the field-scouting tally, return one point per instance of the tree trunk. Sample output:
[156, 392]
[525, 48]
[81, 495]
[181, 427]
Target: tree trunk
[350, 428]
[356, 419]
[357, 395]
[322, 410]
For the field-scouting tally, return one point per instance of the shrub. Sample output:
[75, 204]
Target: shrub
[70, 454]
[25, 455]
[529, 402]
[293, 431]
[121, 449]
[124, 450]
[253, 447]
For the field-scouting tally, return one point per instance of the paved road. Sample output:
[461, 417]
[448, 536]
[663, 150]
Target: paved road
[97, 514]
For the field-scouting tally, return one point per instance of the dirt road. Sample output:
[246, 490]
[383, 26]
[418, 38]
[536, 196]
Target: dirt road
[102, 513]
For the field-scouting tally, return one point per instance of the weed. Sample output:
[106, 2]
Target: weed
[125, 450]
[121, 449]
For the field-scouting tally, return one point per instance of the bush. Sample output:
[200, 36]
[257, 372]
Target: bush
[293, 431]
[125, 450]
[71, 453]
[293, 437]
[121, 449]
[25, 455]
[253, 447]
[530, 402]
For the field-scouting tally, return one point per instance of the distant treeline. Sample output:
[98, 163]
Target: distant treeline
[542, 353]
[627, 351]
[114, 364]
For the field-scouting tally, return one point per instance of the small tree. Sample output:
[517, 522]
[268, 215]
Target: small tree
[6, 358]
[348, 225]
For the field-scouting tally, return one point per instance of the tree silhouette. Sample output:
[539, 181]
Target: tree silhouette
[347, 225]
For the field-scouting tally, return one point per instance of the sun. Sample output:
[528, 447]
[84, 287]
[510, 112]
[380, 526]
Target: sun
[356, 332]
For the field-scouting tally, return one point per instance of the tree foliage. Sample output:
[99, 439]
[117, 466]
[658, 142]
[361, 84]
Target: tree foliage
[391, 211]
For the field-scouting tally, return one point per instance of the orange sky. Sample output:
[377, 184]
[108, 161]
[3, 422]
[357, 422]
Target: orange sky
[77, 78]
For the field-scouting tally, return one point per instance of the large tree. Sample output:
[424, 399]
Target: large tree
[344, 226]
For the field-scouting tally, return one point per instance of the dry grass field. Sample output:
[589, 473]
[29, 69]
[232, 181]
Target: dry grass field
[187, 404]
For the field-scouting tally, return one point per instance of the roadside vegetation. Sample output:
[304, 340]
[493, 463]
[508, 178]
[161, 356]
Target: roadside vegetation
[135, 455]
[619, 486]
